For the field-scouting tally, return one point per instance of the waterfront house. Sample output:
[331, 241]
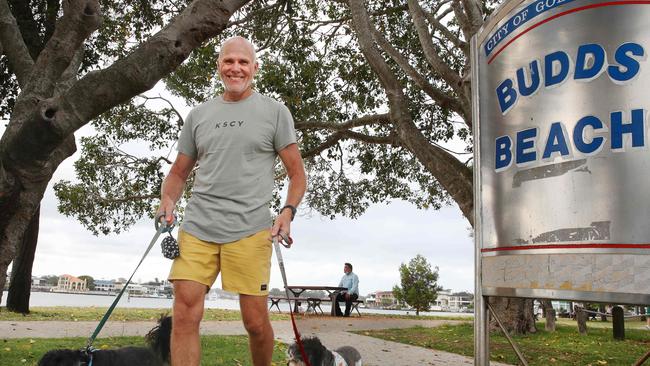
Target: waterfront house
[69, 283]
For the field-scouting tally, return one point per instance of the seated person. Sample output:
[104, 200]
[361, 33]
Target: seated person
[351, 282]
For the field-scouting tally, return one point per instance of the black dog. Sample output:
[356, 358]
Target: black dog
[157, 354]
[318, 355]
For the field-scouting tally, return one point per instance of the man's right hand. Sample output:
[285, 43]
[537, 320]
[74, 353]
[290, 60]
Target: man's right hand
[165, 212]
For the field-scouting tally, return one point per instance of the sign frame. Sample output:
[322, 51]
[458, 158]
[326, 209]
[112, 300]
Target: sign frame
[481, 322]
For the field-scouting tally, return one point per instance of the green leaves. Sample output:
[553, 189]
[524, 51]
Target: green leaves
[419, 287]
[118, 182]
[311, 61]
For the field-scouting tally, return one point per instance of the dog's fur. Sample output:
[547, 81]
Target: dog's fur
[157, 354]
[318, 355]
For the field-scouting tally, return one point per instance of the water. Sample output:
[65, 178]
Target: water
[81, 300]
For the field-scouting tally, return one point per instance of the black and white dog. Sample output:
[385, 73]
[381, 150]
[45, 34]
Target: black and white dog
[318, 355]
[157, 354]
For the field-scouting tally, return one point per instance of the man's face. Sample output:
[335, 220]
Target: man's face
[347, 269]
[237, 68]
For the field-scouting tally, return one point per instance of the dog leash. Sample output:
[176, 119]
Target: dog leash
[276, 244]
[159, 230]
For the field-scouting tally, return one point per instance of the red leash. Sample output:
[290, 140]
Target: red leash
[278, 254]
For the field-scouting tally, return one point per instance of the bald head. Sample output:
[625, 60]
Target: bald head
[237, 68]
[240, 43]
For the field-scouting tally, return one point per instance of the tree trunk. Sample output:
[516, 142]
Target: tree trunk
[581, 318]
[516, 314]
[21, 276]
[14, 229]
[24, 203]
[549, 314]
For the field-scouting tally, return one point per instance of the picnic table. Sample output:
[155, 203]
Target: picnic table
[332, 291]
[312, 302]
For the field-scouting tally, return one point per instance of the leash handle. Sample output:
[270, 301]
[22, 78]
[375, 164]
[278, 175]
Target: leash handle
[286, 240]
[278, 254]
[167, 228]
[159, 230]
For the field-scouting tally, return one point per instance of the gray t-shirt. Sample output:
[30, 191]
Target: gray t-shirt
[235, 144]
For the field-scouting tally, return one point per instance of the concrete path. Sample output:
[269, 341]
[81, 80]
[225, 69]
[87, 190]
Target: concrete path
[333, 332]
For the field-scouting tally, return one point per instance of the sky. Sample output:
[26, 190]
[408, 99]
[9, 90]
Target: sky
[376, 244]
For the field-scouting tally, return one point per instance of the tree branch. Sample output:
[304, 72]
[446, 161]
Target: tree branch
[53, 7]
[126, 199]
[144, 67]
[28, 27]
[474, 15]
[430, 52]
[463, 21]
[336, 137]
[391, 139]
[80, 18]
[69, 76]
[384, 11]
[62, 152]
[357, 122]
[447, 33]
[442, 98]
[332, 140]
[455, 177]
[13, 45]
[363, 30]
[171, 106]
[452, 78]
[255, 13]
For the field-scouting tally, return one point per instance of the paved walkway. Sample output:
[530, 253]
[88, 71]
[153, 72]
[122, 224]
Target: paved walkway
[333, 332]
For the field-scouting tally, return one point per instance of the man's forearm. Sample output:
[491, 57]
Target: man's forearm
[297, 187]
[172, 189]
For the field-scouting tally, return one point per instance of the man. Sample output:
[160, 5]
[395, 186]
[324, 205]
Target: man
[351, 282]
[227, 226]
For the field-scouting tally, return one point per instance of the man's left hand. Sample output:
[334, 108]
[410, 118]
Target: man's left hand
[282, 224]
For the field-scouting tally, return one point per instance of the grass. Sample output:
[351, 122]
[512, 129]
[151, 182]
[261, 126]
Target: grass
[563, 347]
[91, 313]
[65, 313]
[216, 350]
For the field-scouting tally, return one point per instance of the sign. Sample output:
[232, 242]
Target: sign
[562, 98]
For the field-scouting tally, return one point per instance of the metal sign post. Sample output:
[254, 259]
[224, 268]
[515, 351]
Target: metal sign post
[561, 131]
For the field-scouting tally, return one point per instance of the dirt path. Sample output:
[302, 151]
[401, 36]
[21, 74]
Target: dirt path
[333, 332]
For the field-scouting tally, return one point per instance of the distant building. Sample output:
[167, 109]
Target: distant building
[105, 285]
[40, 284]
[69, 283]
[380, 299]
[454, 301]
[135, 289]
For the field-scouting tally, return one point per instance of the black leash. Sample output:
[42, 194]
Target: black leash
[159, 230]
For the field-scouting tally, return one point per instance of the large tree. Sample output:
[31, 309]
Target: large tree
[377, 89]
[43, 46]
[419, 284]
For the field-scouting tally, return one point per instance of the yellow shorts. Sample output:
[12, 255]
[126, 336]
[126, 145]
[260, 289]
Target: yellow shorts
[245, 264]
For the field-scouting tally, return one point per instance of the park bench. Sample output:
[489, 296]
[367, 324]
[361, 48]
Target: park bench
[313, 303]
